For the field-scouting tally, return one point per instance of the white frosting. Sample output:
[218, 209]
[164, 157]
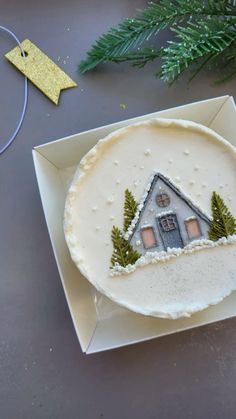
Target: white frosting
[181, 285]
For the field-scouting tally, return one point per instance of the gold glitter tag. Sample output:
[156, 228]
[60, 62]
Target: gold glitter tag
[40, 70]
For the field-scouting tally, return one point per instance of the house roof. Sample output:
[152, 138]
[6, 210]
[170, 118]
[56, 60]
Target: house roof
[178, 192]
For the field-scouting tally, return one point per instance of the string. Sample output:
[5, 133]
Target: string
[22, 114]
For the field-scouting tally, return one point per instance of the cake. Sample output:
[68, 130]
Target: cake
[150, 217]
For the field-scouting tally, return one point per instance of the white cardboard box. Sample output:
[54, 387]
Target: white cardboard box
[101, 324]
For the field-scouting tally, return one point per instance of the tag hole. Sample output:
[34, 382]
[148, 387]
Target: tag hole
[26, 54]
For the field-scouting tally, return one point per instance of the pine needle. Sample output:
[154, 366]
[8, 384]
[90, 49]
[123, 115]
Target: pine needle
[123, 252]
[223, 223]
[130, 208]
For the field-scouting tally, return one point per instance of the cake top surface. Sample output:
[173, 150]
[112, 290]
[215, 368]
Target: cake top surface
[170, 168]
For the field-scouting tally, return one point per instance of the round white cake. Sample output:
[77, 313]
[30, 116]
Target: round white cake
[150, 217]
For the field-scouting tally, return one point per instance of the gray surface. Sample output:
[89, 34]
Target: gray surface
[43, 373]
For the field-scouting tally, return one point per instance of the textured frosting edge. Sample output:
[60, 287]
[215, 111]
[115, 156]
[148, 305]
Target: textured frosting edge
[86, 164]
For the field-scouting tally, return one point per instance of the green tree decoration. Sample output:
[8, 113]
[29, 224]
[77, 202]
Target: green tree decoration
[223, 223]
[123, 252]
[204, 34]
[130, 208]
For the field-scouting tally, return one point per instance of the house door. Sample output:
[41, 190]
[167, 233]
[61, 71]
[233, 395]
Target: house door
[170, 232]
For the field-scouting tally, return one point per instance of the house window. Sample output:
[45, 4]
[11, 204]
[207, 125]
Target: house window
[148, 237]
[168, 223]
[193, 228]
[163, 200]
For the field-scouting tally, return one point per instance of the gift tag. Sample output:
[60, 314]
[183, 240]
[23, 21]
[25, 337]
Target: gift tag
[40, 70]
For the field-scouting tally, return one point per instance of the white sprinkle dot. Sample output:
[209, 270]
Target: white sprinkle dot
[118, 181]
[221, 186]
[112, 217]
[177, 179]
[98, 228]
[147, 152]
[196, 168]
[135, 183]
[204, 185]
[141, 167]
[138, 242]
[116, 162]
[170, 161]
[94, 209]
[110, 201]
[192, 182]
[199, 194]
[186, 152]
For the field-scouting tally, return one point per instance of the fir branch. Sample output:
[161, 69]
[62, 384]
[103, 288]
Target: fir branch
[123, 252]
[205, 39]
[223, 223]
[130, 208]
[131, 33]
[193, 22]
[138, 58]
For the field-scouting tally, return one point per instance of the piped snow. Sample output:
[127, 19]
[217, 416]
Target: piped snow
[158, 257]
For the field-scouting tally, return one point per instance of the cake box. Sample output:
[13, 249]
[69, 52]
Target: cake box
[101, 324]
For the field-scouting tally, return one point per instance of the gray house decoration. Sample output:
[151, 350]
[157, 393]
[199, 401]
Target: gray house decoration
[168, 219]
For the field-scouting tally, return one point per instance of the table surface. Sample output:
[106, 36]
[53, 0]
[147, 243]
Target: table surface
[43, 373]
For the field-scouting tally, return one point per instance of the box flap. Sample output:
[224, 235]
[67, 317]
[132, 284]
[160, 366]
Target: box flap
[224, 122]
[68, 151]
[77, 288]
[129, 328]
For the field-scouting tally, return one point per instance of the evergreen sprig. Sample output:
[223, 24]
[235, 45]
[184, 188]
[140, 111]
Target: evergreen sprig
[123, 252]
[205, 32]
[223, 223]
[130, 208]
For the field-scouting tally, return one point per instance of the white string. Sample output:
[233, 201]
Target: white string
[22, 115]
